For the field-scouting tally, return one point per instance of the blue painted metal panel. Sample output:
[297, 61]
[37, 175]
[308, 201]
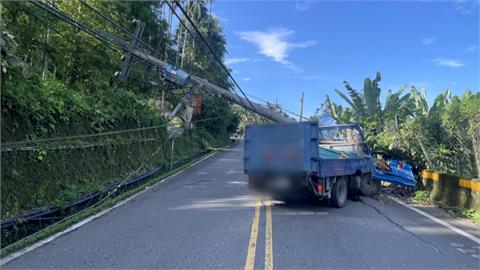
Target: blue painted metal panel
[339, 166]
[401, 174]
[282, 148]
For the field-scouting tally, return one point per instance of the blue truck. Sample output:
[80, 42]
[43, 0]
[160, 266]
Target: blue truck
[288, 160]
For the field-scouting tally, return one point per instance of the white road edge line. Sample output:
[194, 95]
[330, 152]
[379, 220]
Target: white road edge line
[439, 221]
[88, 219]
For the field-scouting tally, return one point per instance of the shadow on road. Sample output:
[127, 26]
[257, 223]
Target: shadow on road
[301, 206]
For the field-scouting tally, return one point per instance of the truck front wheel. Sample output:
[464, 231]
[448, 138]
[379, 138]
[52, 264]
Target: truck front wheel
[339, 193]
[370, 187]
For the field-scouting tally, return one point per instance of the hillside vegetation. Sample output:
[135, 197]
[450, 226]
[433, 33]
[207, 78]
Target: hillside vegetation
[58, 82]
[443, 135]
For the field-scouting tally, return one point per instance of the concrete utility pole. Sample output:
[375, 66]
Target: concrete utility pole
[251, 106]
[301, 108]
[127, 62]
[199, 82]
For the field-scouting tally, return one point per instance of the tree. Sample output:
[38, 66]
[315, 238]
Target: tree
[365, 106]
[444, 136]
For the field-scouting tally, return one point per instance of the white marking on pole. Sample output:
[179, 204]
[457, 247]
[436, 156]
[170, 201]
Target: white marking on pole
[439, 221]
[88, 219]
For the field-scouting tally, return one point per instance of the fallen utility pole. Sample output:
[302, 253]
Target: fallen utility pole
[200, 82]
[251, 106]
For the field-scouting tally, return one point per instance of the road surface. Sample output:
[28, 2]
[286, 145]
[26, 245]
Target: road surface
[205, 217]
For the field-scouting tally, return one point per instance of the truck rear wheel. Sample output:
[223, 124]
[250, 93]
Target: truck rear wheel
[369, 187]
[339, 193]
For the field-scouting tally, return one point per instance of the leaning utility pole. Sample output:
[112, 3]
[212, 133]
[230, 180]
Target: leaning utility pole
[127, 59]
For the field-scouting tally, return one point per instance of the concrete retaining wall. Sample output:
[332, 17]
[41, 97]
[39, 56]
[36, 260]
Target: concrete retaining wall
[452, 190]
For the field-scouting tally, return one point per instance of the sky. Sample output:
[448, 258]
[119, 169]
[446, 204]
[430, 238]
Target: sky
[277, 49]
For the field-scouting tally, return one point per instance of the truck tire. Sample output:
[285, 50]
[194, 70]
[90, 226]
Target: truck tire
[370, 187]
[339, 193]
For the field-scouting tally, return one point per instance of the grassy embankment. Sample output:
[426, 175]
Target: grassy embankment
[422, 196]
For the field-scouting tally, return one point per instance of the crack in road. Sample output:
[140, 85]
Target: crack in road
[400, 226]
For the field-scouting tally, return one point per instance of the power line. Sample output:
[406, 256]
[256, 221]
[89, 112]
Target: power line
[66, 18]
[141, 41]
[282, 108]
[110, 20]
[58, 13]
[104, 133]
[183, 24]
[211, 51]
[29, 11]
[172, 10]
[63, 16]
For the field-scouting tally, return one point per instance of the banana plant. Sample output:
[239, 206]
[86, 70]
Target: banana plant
[365, 105]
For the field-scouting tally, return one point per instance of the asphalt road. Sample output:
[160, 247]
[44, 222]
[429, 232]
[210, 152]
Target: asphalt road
[205, 217]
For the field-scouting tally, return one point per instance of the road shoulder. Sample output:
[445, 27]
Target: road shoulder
[463, 224]
[28, 245]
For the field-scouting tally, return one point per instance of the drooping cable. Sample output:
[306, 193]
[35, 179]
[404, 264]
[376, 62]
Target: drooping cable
[68, 19]
[211, 51]
[110, 20]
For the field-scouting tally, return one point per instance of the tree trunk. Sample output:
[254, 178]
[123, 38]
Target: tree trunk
[45, 57]
[476, 151]
[183, 48]
[425, 153]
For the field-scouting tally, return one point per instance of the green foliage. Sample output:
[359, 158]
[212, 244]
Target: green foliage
[8, 47]
[371, 92]
[449, 132]
[444, 137]
[33, 109]
[468, 213]
[64, 86]
[421, 196]
[365, 106]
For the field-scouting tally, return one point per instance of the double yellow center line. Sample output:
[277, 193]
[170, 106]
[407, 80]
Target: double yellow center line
[268, 239]
[252, 245]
